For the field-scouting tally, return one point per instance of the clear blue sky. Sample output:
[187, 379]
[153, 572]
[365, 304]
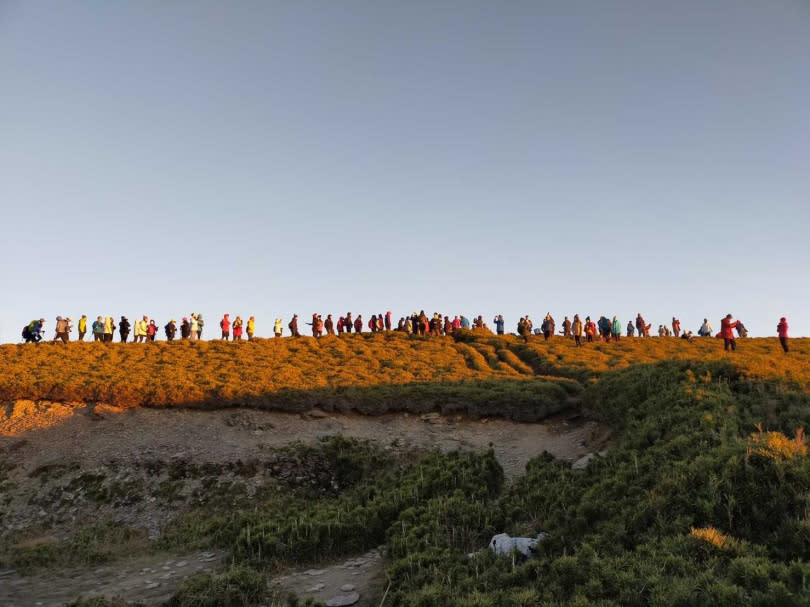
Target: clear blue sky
[463, 157]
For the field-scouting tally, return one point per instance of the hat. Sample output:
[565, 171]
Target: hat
[172, 320]
[185, 319]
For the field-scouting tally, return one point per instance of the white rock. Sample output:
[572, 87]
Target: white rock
[347, 588]
[343, 600]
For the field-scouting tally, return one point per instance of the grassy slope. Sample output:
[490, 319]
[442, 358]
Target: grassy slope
[367, 373]
[692, 506]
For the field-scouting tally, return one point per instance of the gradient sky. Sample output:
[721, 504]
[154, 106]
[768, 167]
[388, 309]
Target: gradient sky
[463, 157]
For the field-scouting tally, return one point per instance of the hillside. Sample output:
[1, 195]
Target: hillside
[280, 456]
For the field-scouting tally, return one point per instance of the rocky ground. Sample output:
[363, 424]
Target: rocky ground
[66, 463]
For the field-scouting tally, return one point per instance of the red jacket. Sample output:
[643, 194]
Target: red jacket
[782, 328]
[726, 328]
[358, 325]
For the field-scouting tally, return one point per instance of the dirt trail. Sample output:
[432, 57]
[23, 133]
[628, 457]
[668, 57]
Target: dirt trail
[51, 451]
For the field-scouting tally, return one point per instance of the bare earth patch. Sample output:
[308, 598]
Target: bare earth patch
[44, 443]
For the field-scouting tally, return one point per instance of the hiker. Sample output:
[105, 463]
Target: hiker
[465, 323]
[676, 327]
[566, 330]
[687, 335]
[109, 328]
[61, 330]
[456, 323]
[293, 326]
[523, 329]
[341, 321]
[617, 329]
[185, 328]
[225, 325]
[661, 331]
[82, 327]
[498, 322]
[170, 329]
[123, 329]
[358, 324]
[251, 327]
[237, 328]
[372, 323]
[194, 326]
[141, 329]
[548, 326]
[782, 332]
[727, 333]
[348, 323]
[277, 328]
[319, 326]
[380, 323]
[590, 329]
[98, 329]
[200, 324]
[576, 328]
[605, 328]
[151, 330]
[32, 332]
[642, 328]
[388, 320]
[631, 329]
[329, 325]
[705, 329]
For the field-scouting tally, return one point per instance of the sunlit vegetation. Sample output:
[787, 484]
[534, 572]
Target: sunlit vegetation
[703, 499]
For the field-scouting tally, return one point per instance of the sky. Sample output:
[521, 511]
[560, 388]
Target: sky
[269, 158]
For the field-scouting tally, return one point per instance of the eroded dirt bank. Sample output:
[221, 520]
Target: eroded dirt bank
[65, 464]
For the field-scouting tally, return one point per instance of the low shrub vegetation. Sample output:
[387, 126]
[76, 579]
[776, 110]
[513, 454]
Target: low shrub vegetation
[703, 499]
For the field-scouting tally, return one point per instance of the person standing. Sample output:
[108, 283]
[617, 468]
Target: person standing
[141, 329]
[225, 325]
[293, 326]
[348, 323]
[617, 328]
[329, 325]
[109, 328]
[200, 325]
[171, 329]
[151, 330]
[499, 324]
[98, 329]
[358, 324]
[123, 329]
[195, 327]
[237, 329]
[676, 327]
[782, 332]
[277, 328]
[388, 320]
[727, 327]
[251, 327]
[185, 328]
[631, 329]
[82, 327]
[567, 328]
[577, 329]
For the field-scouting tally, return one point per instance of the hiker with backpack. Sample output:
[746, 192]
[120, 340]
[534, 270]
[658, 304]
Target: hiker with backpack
[61, 330]
[123, 329]
[170, 329]
[293, 326]
[82, 327]
[32, 332]
[98, 329]
[225, 325]
[782, 332]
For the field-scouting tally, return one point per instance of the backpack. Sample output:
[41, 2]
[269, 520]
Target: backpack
[26, 332]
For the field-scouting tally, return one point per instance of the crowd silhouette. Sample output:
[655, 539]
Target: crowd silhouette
[581, 331]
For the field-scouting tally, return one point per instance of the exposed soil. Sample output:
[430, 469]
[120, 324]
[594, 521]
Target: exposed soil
[67, 463]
